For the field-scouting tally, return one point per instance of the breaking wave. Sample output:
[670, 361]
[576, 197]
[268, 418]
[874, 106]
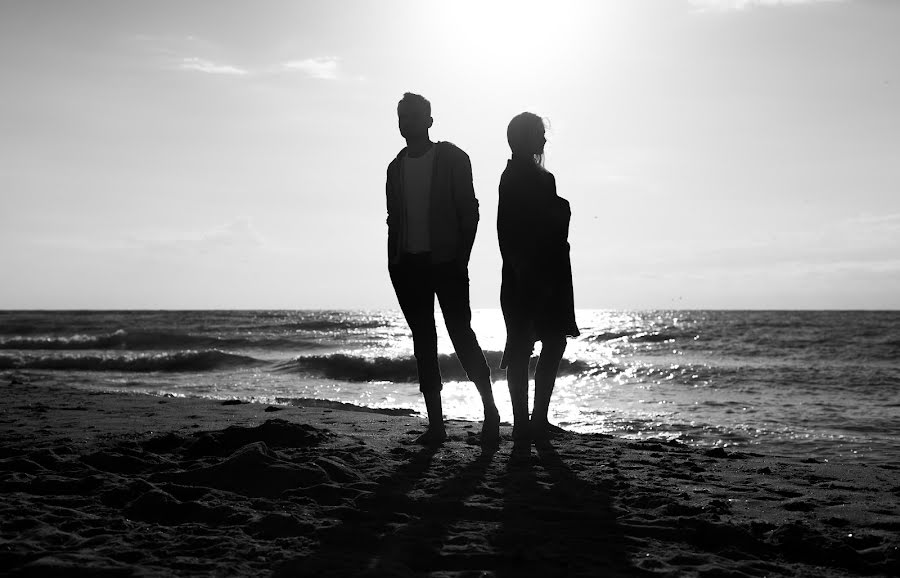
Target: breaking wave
[180, 361]
[147, 340]
[358, 368]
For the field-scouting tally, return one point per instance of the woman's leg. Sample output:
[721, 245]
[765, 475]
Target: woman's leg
[544, 379]
[517, 379]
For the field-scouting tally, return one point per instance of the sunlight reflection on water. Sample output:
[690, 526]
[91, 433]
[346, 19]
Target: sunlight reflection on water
[706, 378]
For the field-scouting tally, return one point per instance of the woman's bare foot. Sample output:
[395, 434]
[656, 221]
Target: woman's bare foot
[555, 430]
[433, 436]
[521, 433]
[540, 431]
[521, 450]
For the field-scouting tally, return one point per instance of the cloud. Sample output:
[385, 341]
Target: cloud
[871, 219]
[170, 53]
[873, 267]
[322, 67]
[237, 233]
[735, 5]
[209, 67]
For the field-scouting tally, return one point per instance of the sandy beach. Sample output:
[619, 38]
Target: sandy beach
[103, 484]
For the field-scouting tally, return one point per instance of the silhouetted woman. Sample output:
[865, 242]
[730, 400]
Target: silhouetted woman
[536, 293]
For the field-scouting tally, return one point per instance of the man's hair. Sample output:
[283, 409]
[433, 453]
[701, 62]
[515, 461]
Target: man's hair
[417, 99]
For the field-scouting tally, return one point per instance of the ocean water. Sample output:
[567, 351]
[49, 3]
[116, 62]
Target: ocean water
[795, 383]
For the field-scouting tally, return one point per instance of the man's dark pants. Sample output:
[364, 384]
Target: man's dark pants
[416, 282]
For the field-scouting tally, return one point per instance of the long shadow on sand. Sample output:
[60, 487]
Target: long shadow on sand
[461, 511]
[351, 547]
[450, 524]
[418, 520]
[556, 524]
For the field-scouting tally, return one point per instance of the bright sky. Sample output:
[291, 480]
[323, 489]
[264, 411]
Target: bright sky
[225, 154]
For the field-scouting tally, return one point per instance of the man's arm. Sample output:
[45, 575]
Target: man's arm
[466, 205]
[387, 195]
[393, 215]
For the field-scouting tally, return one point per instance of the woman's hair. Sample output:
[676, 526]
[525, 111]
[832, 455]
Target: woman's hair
[524, 135]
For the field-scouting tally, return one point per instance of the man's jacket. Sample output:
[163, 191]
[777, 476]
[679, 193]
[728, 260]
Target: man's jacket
[453, 208]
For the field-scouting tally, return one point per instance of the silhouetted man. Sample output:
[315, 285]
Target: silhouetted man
[432, 220]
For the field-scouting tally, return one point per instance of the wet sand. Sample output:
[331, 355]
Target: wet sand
[101, 484]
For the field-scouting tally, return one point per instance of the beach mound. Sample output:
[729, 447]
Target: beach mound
[117, 485]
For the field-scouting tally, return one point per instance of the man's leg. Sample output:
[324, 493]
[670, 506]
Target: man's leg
[452, 288]
[415, 293]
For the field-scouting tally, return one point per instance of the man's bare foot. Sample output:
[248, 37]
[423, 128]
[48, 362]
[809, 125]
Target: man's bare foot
[432, 437]
[490, 429]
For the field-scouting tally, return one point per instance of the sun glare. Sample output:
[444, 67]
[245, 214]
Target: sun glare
[506, 40]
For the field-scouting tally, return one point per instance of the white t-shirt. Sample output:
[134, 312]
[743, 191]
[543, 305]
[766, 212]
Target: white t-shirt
[417, 194]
